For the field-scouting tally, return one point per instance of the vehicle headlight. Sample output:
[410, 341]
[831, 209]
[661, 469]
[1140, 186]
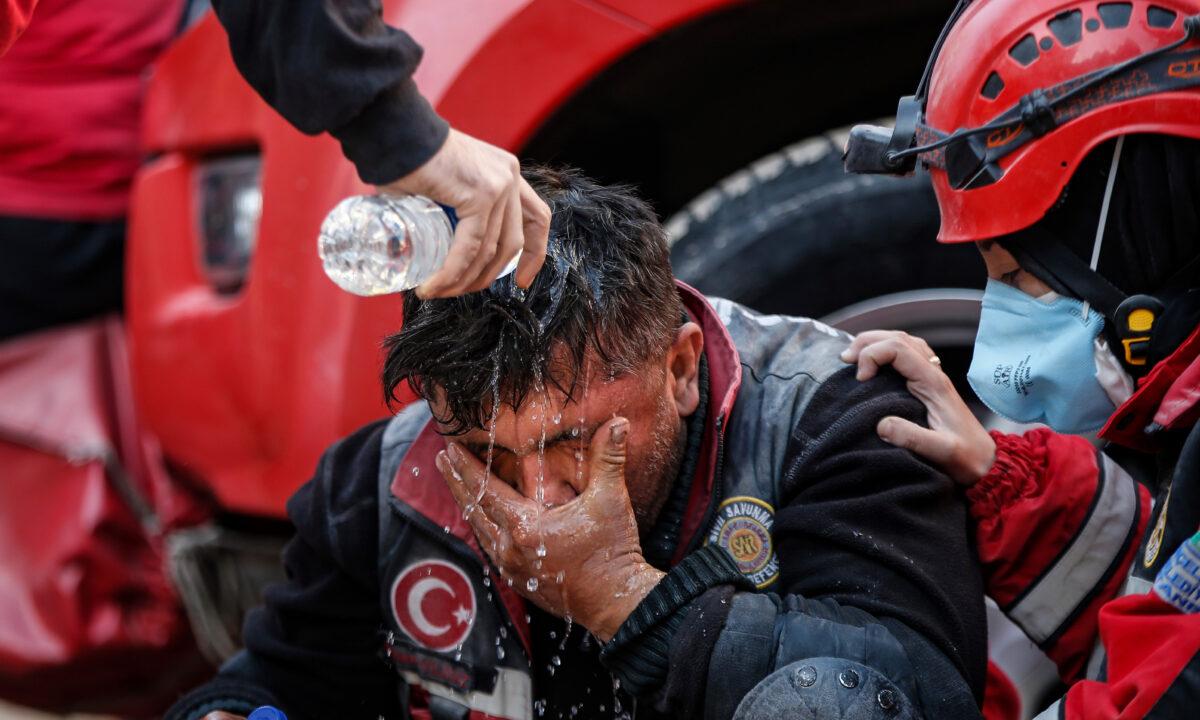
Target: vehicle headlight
[229, 207]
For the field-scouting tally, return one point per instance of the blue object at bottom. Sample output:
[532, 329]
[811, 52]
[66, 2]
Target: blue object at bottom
[266, 712]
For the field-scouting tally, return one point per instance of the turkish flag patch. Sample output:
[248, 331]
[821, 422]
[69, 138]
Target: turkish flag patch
[434, 604]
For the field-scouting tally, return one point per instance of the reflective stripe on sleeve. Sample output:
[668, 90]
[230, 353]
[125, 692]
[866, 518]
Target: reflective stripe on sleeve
[1052, 601]
[1054, 712]
[1032, 674]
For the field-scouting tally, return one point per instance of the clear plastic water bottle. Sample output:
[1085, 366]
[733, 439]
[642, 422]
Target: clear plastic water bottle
[380, 244]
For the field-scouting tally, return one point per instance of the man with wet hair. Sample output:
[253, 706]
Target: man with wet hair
[615, 497]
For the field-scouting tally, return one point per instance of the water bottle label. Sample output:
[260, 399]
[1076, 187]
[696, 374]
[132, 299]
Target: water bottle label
[512, 264]
[450, 213]
[1178, 582]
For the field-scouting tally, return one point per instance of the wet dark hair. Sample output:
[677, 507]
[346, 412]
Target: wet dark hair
[605, 292]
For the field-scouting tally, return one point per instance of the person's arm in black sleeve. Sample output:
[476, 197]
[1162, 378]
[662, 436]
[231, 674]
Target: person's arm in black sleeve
[879, 606]
[313, 648]
[336, 67]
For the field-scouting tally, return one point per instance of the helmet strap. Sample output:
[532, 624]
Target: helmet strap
[1108, 191]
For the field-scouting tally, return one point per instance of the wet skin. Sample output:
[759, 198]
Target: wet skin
[606, 470]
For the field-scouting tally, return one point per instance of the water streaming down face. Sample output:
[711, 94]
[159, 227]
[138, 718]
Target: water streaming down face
[491, 448]
[540, 496]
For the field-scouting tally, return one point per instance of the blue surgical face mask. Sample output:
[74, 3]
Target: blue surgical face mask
[1035, 361]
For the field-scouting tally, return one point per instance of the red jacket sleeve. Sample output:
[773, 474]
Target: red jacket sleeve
[1057, 526]
[14, 18]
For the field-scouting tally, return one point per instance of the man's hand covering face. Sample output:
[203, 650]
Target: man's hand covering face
[582, 559]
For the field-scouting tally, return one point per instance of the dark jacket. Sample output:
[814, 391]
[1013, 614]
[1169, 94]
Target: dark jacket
[816, 567]
[336, 67]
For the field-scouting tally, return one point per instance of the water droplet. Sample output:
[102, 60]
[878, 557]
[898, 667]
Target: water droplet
[558, 578]
[602, 707]
[446, 529]
[566, 633]
[556, 661]
[487, 468]
[541, 550]
[416, 471]
[509, 581]
[540, 707]
[527, 619]
[503, 632]
[499, 652]
[531, 585]
[487, 581]
[553, 635]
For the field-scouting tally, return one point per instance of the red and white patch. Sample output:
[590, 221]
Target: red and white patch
[434, 604]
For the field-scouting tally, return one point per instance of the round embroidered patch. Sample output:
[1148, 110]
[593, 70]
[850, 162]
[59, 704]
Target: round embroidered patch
[434, 604]
[743, 528]
[1154, 542]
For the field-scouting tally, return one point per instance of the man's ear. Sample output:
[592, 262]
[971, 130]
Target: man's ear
[683, 368]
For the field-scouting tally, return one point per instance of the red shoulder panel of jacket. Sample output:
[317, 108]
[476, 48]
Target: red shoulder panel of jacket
[1127, 425]
[1180, 407]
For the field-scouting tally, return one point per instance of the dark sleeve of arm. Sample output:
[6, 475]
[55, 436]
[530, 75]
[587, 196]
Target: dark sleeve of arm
[312, 649]
[877, 576]
[336, 67]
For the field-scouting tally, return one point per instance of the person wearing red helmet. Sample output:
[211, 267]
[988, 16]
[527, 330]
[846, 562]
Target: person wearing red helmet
[1064, 139]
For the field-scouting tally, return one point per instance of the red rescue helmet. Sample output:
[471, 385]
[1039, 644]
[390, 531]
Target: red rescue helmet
[1018, 92]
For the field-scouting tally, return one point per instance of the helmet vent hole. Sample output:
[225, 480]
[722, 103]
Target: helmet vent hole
[1160, 17]
[993, 87]
[1067, 27]
[1025, 51]
[1115, 15]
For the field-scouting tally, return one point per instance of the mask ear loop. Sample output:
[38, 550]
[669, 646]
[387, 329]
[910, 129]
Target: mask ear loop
[1108, 191]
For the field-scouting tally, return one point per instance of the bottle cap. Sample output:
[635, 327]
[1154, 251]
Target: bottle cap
[266, 712]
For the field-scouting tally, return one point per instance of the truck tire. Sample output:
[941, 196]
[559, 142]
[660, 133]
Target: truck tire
[794, 234]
